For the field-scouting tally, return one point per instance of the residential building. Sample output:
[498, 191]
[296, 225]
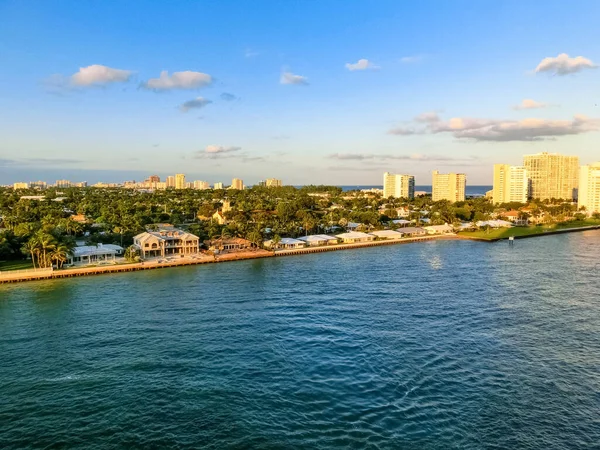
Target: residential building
[318, 239]
[352, 237]
[552, 175]
[413, 231]
[226, 205]
[38, 185]
[589, 188]
[219, 218]
[285, 243]
[166, 241]
[398, 186]
[180, 181]
[21, 186]
[227, 245]
[162, 185]
[63, 183]
[153, 179]
[439, 229]
[273, 182]
[170, 181]
[386, 234]
[218, 185]
[90, 254]
[81, 184]
[201, 185]
[511, 184]
[448, 186]
[238, 184]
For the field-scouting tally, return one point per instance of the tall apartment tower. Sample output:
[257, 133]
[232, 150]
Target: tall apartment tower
[448, 186]
[589, 188]
[273, 182]
[398, 186]
[170, 181]
[511, 184]
[236, 183]
[552, 175]
[180, 181]
[218, 185]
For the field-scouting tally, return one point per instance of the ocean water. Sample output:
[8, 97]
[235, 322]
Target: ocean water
[435, 345]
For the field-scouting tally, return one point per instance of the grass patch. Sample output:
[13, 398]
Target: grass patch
[504, 233]
[15, 265]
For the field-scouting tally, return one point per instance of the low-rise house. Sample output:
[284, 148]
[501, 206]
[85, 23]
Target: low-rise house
[318, 239]
[354, 237]
[413, 231]
[386, 234]
[284, 243]
[228, 245]
[494, 223]
[353, 226]
[90, 254]
[166, 241]
[401, 222]
[439, 229]
[219, 218]
[516, 217]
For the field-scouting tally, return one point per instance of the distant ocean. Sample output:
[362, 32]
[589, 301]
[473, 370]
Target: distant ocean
[472, 191]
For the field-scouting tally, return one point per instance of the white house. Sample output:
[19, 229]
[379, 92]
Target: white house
[439, 229]
[413, 231]
[90, 254]
[353, 237]
[319, 239]
[285, 243]
[494, 224]
[387, 234]
[401, 222]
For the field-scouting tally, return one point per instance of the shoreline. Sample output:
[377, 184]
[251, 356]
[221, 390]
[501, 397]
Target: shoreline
[48, 274]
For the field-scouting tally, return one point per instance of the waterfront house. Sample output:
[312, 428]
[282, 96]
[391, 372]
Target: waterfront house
[284, 243]
[319, 239]
[401, 222]
[494, 224]
[516, 217]
[228, 245]
[353, 237]
[413, 231]
[386, 234]
[166, 241]
[91, 254]
[439, 229]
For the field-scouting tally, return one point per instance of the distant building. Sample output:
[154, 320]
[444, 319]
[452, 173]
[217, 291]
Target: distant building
[238, 184]
[449, 186]
[511, 184]
[162, 185]
[398, 186]
[201, 185]
[273, 182]
[589, 188]
[285, 243]
[166, 241]
[387, 234]
[170, 181]
[153, 179]
[38, 185]
[319, 239]
[21, 186]
[180, 181]
[81, 184]
[226, 205]
[218, 185]
[353, 237]
[552, 175]
[63, 184]
[219, 218]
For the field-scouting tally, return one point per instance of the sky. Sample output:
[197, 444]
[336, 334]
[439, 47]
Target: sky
[329, 92]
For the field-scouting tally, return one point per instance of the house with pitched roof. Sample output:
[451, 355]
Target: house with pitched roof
[166, 241]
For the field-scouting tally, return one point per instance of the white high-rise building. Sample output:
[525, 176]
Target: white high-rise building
[398, 186]
[273, 182]
[448, 186]
[511, 184]
[236, 183]
[170, 181]
[21, 186]
[552, 175]
[218, 185]
[201, 185]
[589, 188]
[180, 181]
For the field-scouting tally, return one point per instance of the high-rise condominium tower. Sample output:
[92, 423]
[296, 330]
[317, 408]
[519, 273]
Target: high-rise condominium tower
[511, 184]
[180, 181]
[448, 186]
[398, 186]
[236, 183]
[273, 182]
[589, 188]
[170, 181]
[552, 175]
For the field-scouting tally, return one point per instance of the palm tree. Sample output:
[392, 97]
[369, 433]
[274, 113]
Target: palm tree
[60, 253]
[30, 248]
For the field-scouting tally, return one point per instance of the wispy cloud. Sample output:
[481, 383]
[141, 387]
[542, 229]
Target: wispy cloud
[530, 104]
[361, 64]
[290, 78]
[402, 131]
[249, 53]
[564, 65]
[212, 149]
[178, 80]
[531, 129]
[98, 74]
[388, 156]
[226, 96]
[411, 59]
[197, 103]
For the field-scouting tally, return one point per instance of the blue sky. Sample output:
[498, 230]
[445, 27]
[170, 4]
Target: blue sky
[278, 89]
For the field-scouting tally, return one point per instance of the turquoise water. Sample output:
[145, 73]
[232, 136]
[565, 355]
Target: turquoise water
[436, 345]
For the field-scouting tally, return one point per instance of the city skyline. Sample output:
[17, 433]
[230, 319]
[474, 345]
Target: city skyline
[324, 93]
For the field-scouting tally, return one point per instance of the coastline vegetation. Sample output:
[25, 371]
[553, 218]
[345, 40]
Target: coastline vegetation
[43, 232]
[531, 230]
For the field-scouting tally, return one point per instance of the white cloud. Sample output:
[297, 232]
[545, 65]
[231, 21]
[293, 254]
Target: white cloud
[402, 131]
[97, 74]
[220, 149]
[197, 103]
[178, 80]
[564, 65]
[361, 64]
[290, 78]
[428, 117]
[411, 59]
[383, 157]
[530, 104]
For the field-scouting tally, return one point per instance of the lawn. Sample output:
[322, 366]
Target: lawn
[15, 265]
[504, 233]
